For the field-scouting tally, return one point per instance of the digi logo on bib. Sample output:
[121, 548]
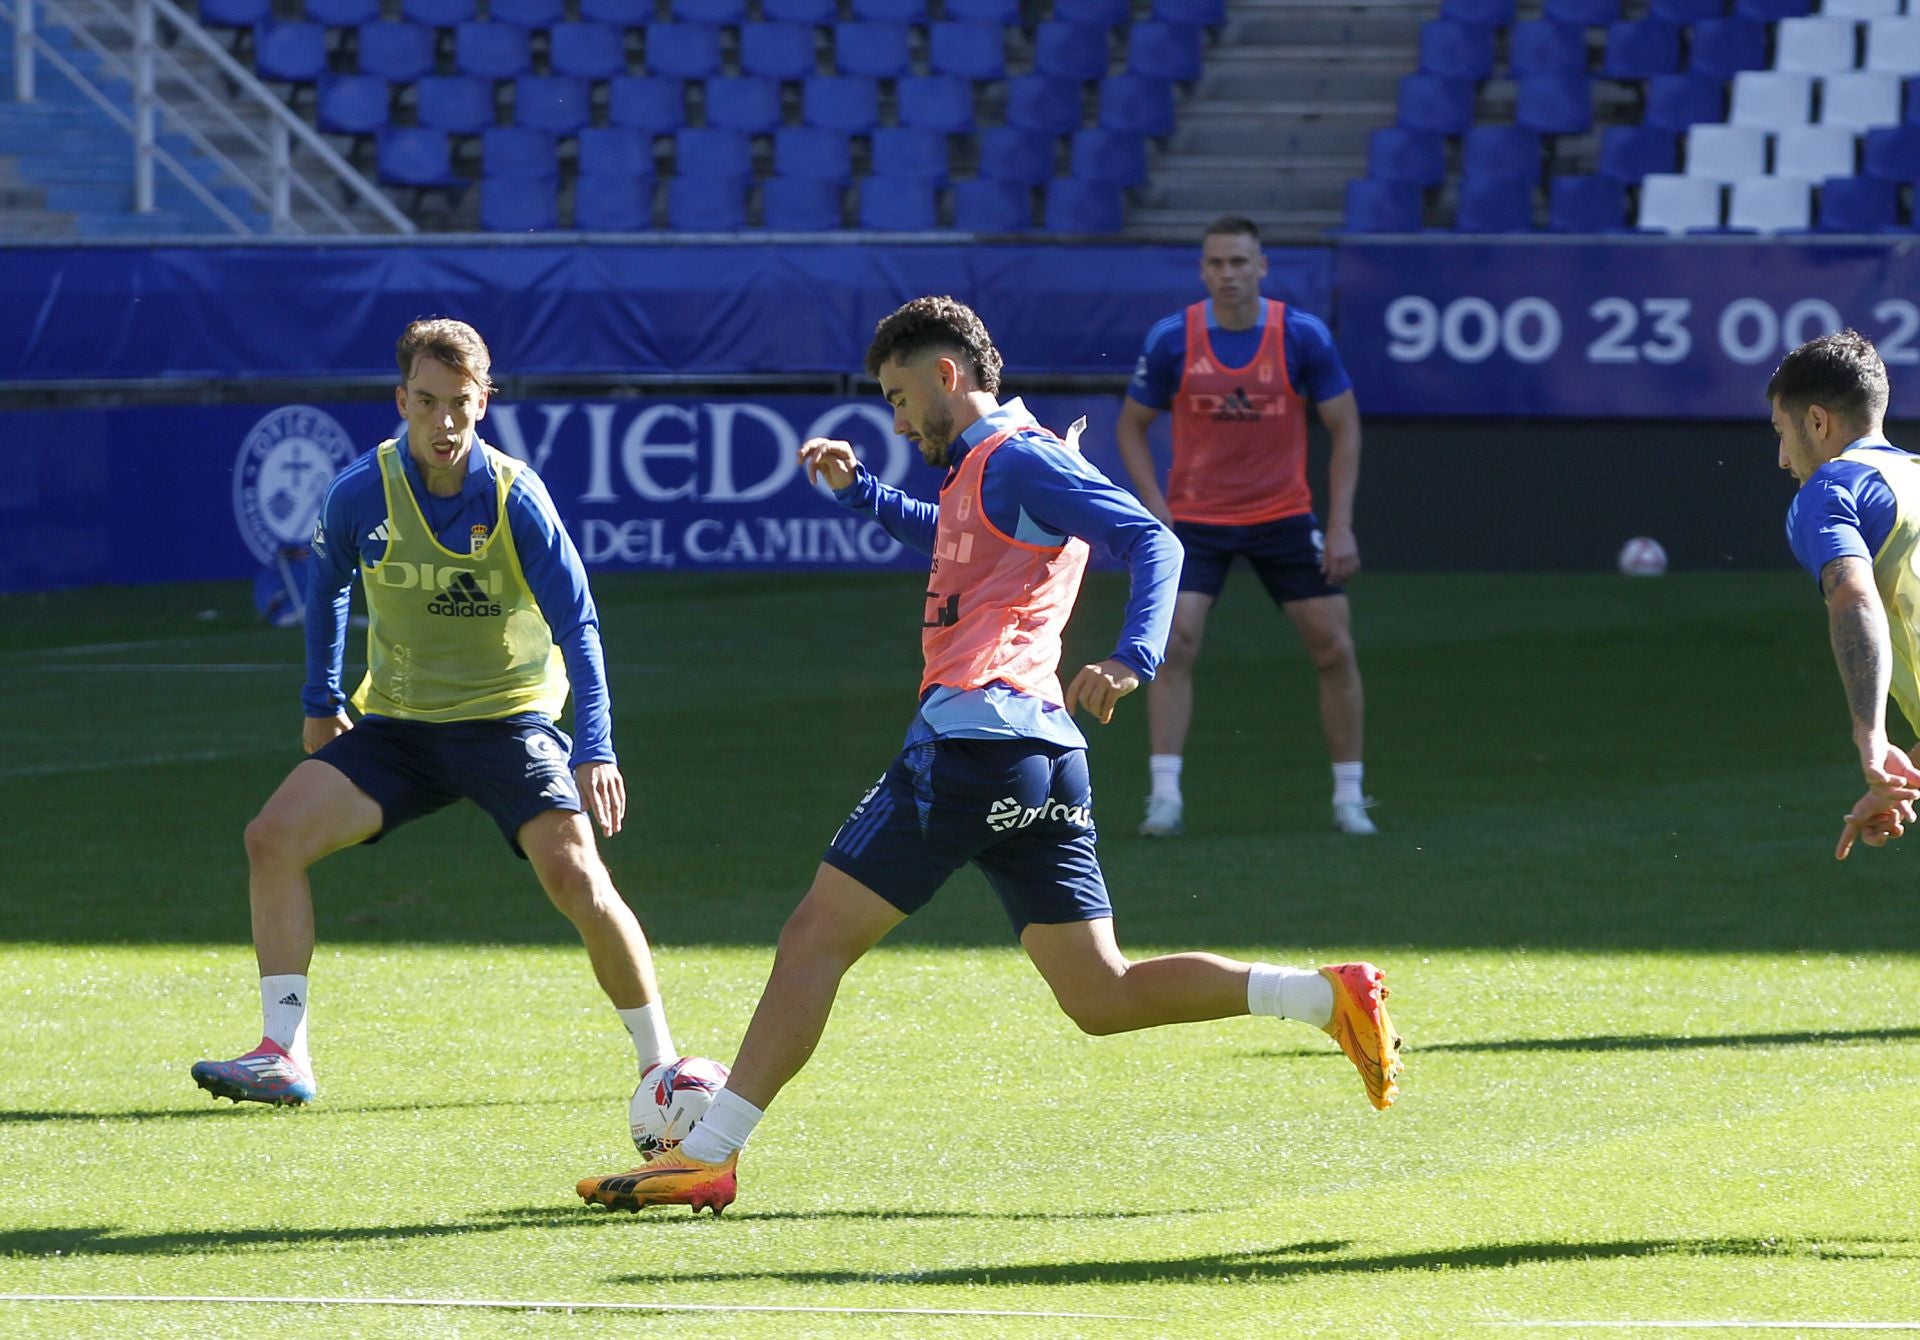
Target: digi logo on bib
[281, 476]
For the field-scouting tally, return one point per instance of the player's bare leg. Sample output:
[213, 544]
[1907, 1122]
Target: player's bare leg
[1325, 624]
[314, 812]
[559, 845]
[1170, 713]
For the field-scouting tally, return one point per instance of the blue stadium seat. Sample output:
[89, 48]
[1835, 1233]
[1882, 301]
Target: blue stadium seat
[527, 13]
[615, 151]
[801, 205]
[1382, 206]
[905, 154]
[814, 12]
[1137, 102]
[1164, 50]
[235, 13]
[891, 11]
[1684, 12]
[1074, 205]
[720, 13]
[969, 50]
[1725, 47]
[457, 103]
[743, 102]
[981, 205]
[1494, 13]
[936, 102]
[1008, 153]
[840, 102]
[1494, 205]
[1035, 102]
[555, 102]
[1628, 153]
[707, 204]
[515, 151]
[353, 104]
[400, 52]
[1677, 101]
[415, 156]
[1395, 153]
[439, 13]
[291, 53]
[587, 50]
[712, 151]
[653, 103]
[685, 50]
[1434, 102]
[620, 203]
[999, 12]
[1772, 11]
[1892, 153]
[1118, 156]
[1554, 104]
[777, 50]
[1641, 49]
[620, 13]
[813, 153]
[876, 49]
[1857, 205]
[1456, 50]
[342, 13]
[1584, 13]
[517, 205]
[1070, 50]
[1492, 153]
[1194, 13]
[491, 50]
[1536, 46]
[1098, 13]
[894, 205]
[1580, 203]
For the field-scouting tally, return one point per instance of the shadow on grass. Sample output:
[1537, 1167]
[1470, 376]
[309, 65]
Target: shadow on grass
[1637, 1042]
[1314, 1259]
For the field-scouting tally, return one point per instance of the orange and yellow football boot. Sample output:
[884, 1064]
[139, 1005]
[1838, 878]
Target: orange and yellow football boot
[1361, 1027]
[671, 1178]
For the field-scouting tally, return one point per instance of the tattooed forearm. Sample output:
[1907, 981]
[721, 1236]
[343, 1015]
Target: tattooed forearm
[1858, 627]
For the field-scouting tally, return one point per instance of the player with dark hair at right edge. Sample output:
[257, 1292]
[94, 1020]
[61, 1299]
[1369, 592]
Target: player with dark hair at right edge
[994, 769]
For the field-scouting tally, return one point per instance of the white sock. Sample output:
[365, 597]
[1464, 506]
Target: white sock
[651, 1040]
[1346, 783]
[1165, 771]
[723, 1130]
[1290, 993]
[283, 1014]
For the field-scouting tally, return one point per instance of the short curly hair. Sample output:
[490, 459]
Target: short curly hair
[936, 323]
[1842, 371]
[448, 341]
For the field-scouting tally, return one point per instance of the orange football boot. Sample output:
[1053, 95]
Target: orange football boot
[671, 1178]
[1361, 1027]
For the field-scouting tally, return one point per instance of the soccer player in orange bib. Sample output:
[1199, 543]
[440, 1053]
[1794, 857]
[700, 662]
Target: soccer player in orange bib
[994, 769]
[1238, 371]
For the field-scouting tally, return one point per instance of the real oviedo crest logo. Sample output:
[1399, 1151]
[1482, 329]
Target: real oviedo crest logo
[281, 476]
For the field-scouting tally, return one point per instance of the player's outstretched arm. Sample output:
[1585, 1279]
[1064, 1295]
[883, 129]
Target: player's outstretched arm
[604, 792]
[316, 731]
[1863, 653]
[1099, 687]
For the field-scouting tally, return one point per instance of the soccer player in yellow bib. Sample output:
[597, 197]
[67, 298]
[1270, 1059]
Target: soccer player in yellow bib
[479, 618]
[1855, 525]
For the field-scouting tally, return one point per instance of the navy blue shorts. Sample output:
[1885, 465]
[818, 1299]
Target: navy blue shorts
[1021, 810]
[514, 768]
[1285, 554]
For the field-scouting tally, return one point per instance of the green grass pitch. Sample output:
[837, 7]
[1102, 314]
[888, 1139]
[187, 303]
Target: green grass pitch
[1664, 1058]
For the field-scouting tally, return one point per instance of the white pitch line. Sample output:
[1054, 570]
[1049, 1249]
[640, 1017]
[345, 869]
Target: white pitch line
[532, 1305]
[1734, 1324]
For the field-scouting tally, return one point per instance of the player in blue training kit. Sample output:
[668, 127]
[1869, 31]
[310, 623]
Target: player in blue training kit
[993, 770]
[480, 619]
[1855, 525]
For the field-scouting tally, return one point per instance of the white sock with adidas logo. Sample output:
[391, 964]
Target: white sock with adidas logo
[283, 1012]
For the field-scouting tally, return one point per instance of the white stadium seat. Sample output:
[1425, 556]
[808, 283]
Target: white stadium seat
[1671, 202]
[1860, 9]
[1772, 99]
[1726, 153]
[1814, 152]
[1816, 45]
[1893, 45]
[1770, 204]
[1860, 100]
